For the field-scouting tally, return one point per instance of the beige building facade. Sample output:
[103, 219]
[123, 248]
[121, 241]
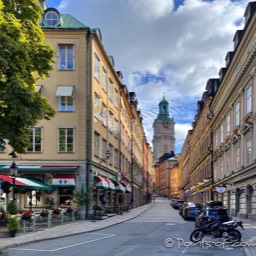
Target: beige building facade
[227, 122]
[96, 137]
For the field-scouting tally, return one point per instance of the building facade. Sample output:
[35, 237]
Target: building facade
[95, 141]
[229, 133]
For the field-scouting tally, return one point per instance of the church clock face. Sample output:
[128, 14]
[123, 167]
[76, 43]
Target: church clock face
[165, 124]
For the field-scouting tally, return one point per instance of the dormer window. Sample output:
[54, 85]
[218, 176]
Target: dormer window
[51, 17]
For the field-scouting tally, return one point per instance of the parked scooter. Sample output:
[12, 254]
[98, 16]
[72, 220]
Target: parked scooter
[217, 229]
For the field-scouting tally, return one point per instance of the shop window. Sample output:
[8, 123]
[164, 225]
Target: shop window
[34, 199]
[65, 196]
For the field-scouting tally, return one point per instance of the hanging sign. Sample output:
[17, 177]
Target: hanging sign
[220, 189]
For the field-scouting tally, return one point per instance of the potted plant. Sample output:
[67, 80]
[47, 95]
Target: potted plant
[26, 215]
[70, 209]
[12, 208]
[13, 226]
[56, 210]
[44, 213]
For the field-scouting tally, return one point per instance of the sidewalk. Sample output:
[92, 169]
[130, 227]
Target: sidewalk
[77, 227]
[83, 226]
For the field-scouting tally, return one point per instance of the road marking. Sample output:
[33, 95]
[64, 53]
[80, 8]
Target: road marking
[65, 247]
[170, 224]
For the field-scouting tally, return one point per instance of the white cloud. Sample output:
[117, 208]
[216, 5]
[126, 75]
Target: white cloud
[185, 47]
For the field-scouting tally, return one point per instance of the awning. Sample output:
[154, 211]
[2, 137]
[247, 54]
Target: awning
[64, 180]
[65, 90]
[41, 168]
[111, 185]
[119, 187]
[101, 183]
[27, 183]
[127, 187]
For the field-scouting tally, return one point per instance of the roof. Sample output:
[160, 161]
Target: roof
[67, 22]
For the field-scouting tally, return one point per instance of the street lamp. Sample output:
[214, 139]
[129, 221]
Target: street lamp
[14, 172]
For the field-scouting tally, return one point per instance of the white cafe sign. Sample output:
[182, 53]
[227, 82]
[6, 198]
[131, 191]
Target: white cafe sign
[220, 189]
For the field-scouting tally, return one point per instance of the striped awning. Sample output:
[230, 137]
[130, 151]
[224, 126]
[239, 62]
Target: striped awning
[40, 169]
[111, 185]
[127, 187]
[64, 180]
[27, 183]
[101, 183]
[119, 187]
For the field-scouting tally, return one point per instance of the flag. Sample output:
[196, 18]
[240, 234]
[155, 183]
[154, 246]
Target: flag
[119, 176]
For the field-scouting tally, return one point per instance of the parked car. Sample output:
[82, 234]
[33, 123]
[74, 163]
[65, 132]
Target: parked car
[214, 210]
[178, 204]
[181, 208]
[172, 202]
[191, 210]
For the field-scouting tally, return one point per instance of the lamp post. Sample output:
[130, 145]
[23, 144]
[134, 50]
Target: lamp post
[14, 172]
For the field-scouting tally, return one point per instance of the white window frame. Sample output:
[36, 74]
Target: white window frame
[110, 89]
[110, 121]
[221, 133]
[35, 140]
[66, 104]
[237, 114]
[237, 158]
[228, 124]
[66, 137]
[104, 79]
[66, 58]
[96, 67]
[96, 106]
[249, 99]
[104, 115]
[96, 144]
[248, 151]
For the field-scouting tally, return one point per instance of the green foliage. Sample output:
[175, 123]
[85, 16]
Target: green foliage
[12, 208]
[13, 224]
[81, 198]
[24, 59]
[49, 203]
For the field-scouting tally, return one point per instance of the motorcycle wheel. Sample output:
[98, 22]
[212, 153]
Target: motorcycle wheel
[196, 236]
[234, 236]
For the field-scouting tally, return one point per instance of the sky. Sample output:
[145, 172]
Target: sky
[163, 47]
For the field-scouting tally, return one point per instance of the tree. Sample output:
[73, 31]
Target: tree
[24, 59]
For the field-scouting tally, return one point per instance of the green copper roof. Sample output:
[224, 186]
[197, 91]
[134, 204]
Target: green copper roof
[67, 22]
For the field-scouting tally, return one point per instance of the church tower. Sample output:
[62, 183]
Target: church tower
[164, 135]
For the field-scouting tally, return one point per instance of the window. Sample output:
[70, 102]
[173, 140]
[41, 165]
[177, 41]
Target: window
[228, 124]
[96, 144]
[216, 139]
[116, 98]
[35, 138]
[248, 151]
[51, 19]
[96, 106]
[66, 140]
[249, 100]
[104, 115]
[237, 114]
[66, 57]
[96, 67]
[111, 154]
[35, 200]
[116, 128]
[104, 149]
[110, 89]
[110, 122]
[237, 158]
[116, 158]
[228, 163]
[221, 134]
[66, 104]
[65, 196]
[104, 80]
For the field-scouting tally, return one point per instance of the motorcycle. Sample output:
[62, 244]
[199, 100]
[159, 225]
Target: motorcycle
[217, 229]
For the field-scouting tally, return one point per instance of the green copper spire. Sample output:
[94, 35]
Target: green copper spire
[163, 114]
